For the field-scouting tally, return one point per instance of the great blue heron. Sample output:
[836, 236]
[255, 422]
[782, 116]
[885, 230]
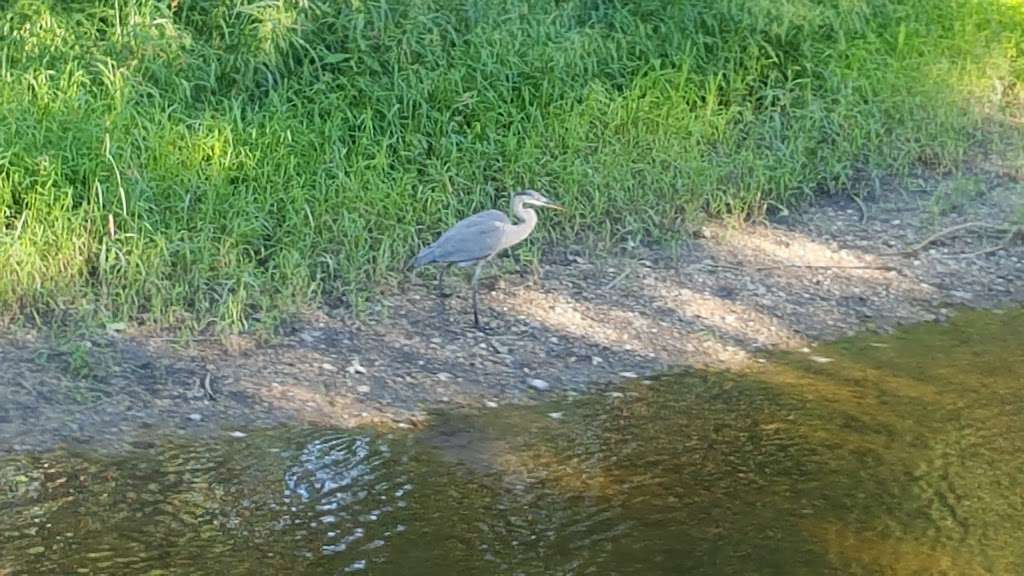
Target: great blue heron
[478, 238]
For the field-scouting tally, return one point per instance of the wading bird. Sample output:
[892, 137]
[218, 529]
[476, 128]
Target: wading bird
[478, 238]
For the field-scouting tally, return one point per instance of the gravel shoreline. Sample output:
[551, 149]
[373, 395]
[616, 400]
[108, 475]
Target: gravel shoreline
[825, 271]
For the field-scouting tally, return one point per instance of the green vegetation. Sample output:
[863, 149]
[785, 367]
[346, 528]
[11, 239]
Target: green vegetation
[205, 162]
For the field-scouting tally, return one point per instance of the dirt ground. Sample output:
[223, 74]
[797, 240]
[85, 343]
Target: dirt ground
[828, 270]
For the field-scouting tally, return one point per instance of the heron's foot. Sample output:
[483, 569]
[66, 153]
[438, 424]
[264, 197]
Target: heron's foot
[478, 325]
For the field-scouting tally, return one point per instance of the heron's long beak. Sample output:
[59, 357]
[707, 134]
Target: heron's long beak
[556, 206]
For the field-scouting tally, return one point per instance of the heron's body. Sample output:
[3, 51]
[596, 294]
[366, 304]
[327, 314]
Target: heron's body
[478, 238]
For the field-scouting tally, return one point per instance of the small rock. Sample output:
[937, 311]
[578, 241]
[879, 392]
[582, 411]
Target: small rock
[238, 434]
[36, 550]
[538, 384]
[443, 376]
[195, 417]
[595, 360]
[555, 415]
[362, 389]
[328, 367]
[628, 374]
[615, 394]
[499, 347]
[355, 367]
[490, 404]
[821, 359]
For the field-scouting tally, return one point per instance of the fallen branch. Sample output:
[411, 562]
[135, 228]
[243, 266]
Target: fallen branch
[1003, 245]
[863, 209]
[884, 267]
[206, 385]
[27, 386]
[1011, 230]
[617, 279]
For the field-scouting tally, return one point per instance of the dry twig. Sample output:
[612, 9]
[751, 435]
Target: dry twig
[206, 385]
[951, 230]
[883, 267]
[617, 279]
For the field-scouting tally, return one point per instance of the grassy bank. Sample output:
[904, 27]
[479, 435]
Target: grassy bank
[204, 161]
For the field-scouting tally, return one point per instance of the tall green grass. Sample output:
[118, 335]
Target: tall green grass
[205, 162]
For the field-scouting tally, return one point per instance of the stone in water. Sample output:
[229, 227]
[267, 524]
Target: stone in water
[538, 384]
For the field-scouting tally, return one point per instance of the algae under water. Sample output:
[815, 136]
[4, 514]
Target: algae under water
[897, 454]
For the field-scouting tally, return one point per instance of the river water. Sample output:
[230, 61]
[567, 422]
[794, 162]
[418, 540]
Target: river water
[898, 454]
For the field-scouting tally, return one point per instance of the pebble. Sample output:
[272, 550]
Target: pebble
[615, 394]
[499, 347]
[195, 417]
[238, 434]
[555, 415]
[490, 404]
[595, 360]
[328, 367]
[628, 374]
[362, 389]
[538, 384]
[356, 566]
[821, 359]
[355, 367]
[443, 376]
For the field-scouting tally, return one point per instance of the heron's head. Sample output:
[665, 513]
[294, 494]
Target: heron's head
[534, 198]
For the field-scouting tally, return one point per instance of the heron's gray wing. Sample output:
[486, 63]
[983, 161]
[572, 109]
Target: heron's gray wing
[472, 238]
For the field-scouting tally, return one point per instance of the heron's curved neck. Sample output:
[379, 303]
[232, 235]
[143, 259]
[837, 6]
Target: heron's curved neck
[527, 220]
[526, 216]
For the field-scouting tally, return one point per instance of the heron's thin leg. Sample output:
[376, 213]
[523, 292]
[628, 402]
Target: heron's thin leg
[476, 281]
[440, 279]
[440, 288]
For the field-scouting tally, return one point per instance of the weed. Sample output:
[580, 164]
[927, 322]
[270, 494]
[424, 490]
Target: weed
[954, 193]
[207, 162]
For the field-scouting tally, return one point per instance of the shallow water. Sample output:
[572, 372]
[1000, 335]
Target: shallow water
[895, 455]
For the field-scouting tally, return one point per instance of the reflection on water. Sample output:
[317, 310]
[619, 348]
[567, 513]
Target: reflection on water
[899, 455]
